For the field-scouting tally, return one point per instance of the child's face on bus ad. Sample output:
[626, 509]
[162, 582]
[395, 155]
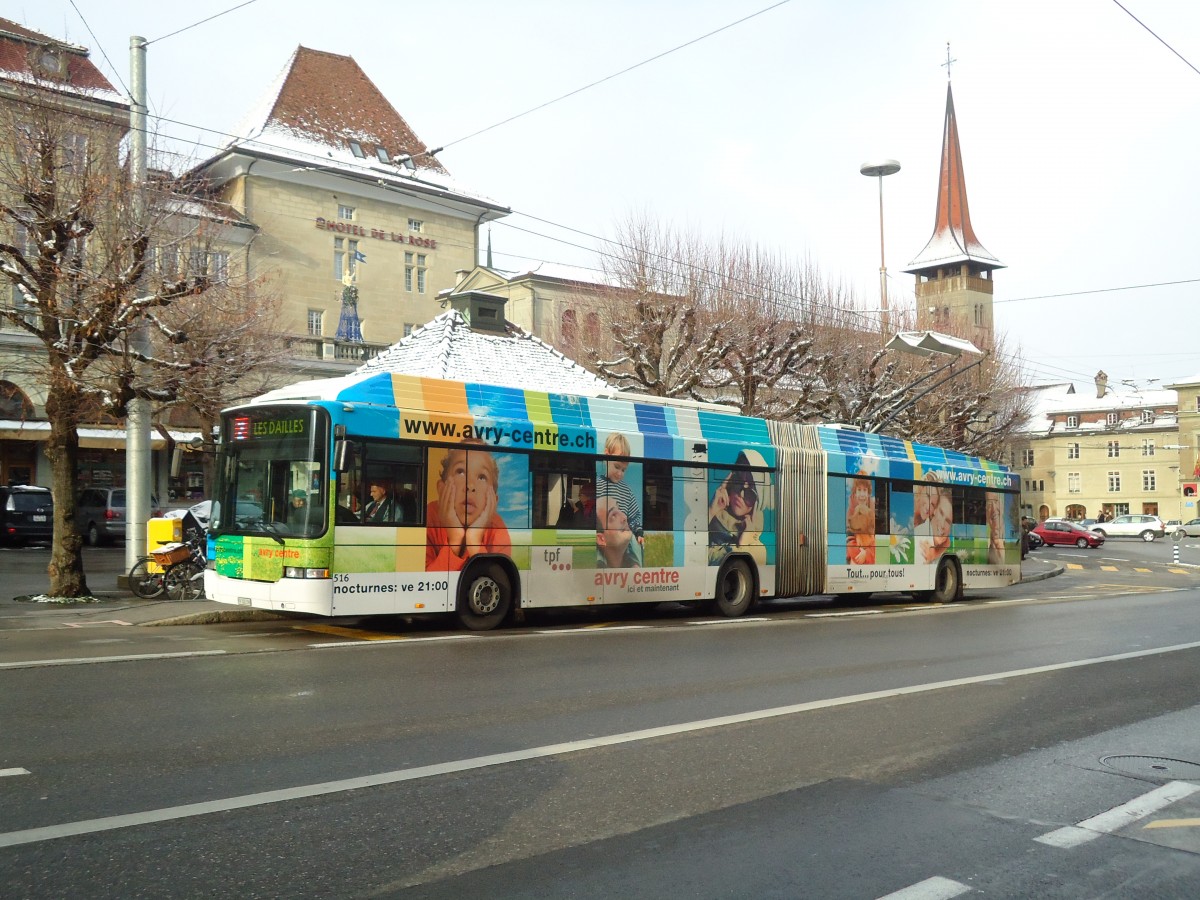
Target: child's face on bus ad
[616, 469]
[469, 477]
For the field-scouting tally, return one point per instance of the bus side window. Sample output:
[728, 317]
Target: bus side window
[658, 493]
[563, 485]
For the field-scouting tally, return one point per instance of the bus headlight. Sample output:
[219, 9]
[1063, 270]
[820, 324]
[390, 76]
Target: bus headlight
[300, 572]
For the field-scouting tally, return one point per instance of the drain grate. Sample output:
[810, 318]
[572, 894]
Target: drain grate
[1158, 767]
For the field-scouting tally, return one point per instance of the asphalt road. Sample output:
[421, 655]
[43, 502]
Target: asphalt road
[810, 751]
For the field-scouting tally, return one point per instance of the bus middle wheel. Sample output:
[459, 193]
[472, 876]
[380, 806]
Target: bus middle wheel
[735, 588]
[484, 598]
[947, 584]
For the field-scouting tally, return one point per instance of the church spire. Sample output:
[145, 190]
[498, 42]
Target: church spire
[953, 239]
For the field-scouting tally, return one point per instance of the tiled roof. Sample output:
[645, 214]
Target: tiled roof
[953, 238]
[18, 48]
[327, 99]
[1050, 404]
[448, 348]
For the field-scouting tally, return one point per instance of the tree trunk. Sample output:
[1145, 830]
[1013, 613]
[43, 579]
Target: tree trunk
[66, 553]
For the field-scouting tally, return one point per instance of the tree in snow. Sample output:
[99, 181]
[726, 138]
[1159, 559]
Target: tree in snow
[122, 289]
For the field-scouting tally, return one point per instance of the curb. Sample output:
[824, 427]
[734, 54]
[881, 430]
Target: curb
[216, 616]
[1042, 576]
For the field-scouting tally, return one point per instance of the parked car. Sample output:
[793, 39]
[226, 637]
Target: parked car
[100, 514]
[26, 514]
[1191, 528]
[1145, 527]
[1033, 541]
[1062, 532]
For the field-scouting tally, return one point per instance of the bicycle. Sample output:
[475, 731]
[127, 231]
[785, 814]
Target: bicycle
[182, 572]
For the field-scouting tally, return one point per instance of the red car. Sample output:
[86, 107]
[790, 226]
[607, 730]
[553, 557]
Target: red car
[1068, 533]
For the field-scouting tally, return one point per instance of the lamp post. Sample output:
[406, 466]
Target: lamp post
[928, 343]
[878, 170]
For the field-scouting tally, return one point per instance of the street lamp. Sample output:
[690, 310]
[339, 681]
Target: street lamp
[878, 170]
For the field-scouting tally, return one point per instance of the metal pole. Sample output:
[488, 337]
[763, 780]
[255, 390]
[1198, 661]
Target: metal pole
[883, 297]
[137, 418]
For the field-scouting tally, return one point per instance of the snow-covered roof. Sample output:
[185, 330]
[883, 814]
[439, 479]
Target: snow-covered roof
[317, 106]
[78, 77]
[1050, 404]
[447, 348]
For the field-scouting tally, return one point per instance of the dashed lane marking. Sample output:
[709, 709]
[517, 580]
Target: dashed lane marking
[1119, 816]
[935, 888]
[91, 660]
[4, 773]
[101, 622]
[1110, 569]
[342, 631]
[1074, 566]
[1143, 570]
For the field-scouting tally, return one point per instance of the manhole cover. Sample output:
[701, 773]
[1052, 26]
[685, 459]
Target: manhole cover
[1153, 767]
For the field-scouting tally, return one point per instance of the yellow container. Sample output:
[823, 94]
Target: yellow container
[159, 532]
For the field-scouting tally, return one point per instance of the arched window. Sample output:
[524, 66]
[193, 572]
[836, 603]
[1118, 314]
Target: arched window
[13, 402]
[591, 330]
[569, 328]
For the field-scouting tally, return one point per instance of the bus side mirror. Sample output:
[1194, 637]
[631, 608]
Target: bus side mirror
[341, 457]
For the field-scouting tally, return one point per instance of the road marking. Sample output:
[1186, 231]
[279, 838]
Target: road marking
[403, 640]
[1118, 816]
[840, 615]
[4, 773]
[101, 622]
[935, 888]
[1074, 566]
[1142, 570]
[1178, 571]
[1174, 823]
[1001, 602]
[246, 801]
[88, 660]
[1109, 569]
[342, 631]
[731, 621]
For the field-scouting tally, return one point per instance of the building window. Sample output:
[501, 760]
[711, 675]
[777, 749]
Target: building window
[381, 154]
[1072, 451]
[345, 258]
[1112, 418]
[345, 212]
[218, 266]
[1072, 421]
[415, 225]
[357, 150]
[420, 273]
[1114, 449]
[408, 328]
[1149, 481]
[1114, 482]
[1198, 404]
[1026, 458]
[1147, 446]
[1147, 416]
[1073, 483]
[74, 151]
[408, 272]
[569, 328]
[315, 322]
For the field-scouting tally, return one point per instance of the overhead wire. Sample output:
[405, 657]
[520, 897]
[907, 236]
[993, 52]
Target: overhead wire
[1157, 38]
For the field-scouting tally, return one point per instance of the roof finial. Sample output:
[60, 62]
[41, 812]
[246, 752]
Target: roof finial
[948, 61]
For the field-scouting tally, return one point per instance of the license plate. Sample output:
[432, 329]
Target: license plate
[38, 518]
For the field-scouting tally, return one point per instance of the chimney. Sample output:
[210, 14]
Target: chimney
[460, 276]
[483, 312]
[1101, 384]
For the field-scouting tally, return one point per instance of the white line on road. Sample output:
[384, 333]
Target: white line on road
[1118, 816]
[88, 660]
[935, 888]
[109, 823]
[731, 621]
[4, 773]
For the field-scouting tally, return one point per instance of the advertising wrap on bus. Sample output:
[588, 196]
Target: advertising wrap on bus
[406, 495]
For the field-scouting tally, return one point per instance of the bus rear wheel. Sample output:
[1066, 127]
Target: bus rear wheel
[947, 584]
[735, 588]
[484, 598]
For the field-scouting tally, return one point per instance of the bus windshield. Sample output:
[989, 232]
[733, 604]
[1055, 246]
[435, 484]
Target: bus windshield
[272, 473]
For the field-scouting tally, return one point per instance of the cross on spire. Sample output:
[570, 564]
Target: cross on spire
[948, 61]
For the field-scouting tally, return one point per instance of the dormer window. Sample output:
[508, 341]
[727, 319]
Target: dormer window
[1072, 421]
[1147, 416]
[357, 150]
[1111, 418]
[50, 63]
[382, 155]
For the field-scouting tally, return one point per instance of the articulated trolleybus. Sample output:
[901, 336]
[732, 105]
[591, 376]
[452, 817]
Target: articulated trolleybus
[391, 494]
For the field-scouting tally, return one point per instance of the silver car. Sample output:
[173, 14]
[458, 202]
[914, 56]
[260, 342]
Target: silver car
[1190, 528]
[1141, 526]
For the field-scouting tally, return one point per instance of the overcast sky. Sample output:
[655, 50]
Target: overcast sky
[1079, 131]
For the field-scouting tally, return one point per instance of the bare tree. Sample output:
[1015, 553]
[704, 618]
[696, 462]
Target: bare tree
[112, 320]
[665, 342]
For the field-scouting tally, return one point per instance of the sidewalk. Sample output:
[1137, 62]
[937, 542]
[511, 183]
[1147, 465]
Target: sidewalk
[111, 603]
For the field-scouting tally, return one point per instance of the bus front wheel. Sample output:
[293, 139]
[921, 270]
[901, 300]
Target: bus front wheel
[947, 584]
[735, 588]
[484, 598]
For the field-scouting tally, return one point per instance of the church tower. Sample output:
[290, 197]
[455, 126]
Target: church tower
[954, 271]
